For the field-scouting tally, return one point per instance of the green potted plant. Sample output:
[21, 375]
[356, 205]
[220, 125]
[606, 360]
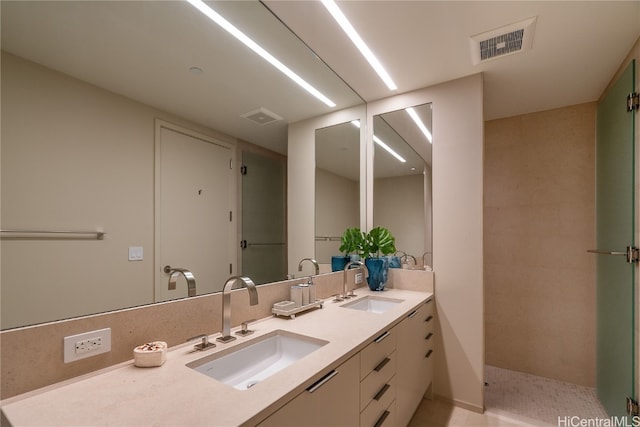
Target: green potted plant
[377, 244]
[350, 243]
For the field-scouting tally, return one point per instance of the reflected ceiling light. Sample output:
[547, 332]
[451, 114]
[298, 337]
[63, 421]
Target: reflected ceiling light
[231, 29]
[381, 143]
[342, 20]
[421, 126]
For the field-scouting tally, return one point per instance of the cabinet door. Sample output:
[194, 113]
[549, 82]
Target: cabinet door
[332, 401]
[413, 366]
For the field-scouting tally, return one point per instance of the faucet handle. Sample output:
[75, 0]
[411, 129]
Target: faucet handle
[337, 298]
[244, 331]
[204, 344]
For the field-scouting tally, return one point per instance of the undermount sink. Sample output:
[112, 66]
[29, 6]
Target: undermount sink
[373, 304]
[247, 364]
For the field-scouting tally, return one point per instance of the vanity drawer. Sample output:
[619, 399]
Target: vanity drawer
[375, 411]
[381, 347]
[376, 380]
[430, 307]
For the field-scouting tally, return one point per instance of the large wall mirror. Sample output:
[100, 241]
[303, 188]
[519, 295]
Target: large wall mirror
[84, 86]
[337, 187]
[402, 180]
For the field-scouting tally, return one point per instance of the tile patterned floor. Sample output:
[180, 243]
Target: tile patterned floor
[539, 398]
[515, 399]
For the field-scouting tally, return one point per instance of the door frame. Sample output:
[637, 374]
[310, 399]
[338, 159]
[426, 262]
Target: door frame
[232, 194]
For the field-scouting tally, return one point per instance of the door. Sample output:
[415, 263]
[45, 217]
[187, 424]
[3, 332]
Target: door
[263, 218]
[195, 195]
[614, 233]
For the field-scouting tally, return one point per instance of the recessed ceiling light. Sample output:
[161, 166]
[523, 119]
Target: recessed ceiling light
[412, 113]
[235, 32]
[346, 26]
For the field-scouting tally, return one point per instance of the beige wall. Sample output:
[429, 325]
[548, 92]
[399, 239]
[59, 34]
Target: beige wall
[75, 157]
[539, 222]
[398, 204]
[337, 208]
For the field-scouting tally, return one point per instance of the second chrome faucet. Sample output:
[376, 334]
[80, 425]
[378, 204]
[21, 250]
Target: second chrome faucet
[226, 304]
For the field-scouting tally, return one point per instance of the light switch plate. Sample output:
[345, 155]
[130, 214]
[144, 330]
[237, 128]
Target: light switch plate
[136, 253]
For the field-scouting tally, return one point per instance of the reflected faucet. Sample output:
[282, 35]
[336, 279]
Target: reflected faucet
[175, 272]
[311, 260]
[405, 259]
[226, 304]
[424, 259]
[344, 276]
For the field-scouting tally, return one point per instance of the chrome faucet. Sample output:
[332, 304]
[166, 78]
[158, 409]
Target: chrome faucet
[311, 260]
[405, 259]
[424, 259]
[344, 276]
[226, 304]
[175, 273]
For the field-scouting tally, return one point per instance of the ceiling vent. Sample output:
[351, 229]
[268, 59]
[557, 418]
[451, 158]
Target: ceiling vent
[262, 116]
[503, 41]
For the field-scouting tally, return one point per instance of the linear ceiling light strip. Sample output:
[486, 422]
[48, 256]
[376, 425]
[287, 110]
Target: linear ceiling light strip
[342, 20]
[382, 144]
[231, 29]
[412, 113]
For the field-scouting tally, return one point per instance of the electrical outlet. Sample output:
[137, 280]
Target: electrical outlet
[87, 344]
[91, 344]
[358, 278]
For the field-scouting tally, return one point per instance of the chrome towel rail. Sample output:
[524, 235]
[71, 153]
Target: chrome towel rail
[99, 235]
[328, 239]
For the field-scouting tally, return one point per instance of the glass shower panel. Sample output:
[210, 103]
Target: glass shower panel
[263, 246]
[614, 232]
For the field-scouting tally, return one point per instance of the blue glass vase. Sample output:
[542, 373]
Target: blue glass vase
[394, 262]
[339, 262]
[378, 272]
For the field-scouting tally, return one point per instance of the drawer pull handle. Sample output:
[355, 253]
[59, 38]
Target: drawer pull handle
[428, 337]
[429, 300]
[381, 337]
[380, 421]
[413, 313]
[381, 364]
[428, 319]
[322, 381]
[428, 354]
[381, 393]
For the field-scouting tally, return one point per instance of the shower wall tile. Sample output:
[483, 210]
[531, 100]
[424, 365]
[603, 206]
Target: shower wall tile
[538, 224]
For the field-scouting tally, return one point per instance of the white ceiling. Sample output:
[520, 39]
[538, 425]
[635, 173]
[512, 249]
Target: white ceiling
[143, 50]
[577, 47]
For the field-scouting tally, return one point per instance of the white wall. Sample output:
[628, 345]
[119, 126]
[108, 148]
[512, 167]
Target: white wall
[337, 208]
[457, 221]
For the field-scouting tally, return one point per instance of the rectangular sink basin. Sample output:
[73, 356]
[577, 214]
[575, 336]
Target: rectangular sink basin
[245, 365]
[373, 304]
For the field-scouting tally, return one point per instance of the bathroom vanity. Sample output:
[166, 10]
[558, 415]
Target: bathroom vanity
[369, 368]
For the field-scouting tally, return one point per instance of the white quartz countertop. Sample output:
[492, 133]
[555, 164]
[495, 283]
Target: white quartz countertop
[176, 395]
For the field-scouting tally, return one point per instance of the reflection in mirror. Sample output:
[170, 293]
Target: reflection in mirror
[84, 84]
[264, 230]
[402, 180]
[337, 187]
